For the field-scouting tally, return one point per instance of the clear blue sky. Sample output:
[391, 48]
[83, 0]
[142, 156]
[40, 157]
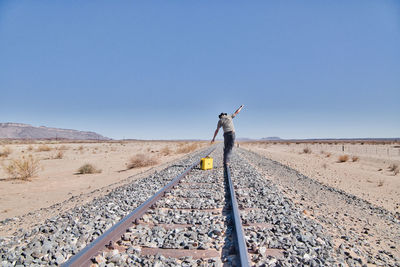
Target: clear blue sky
[166, 69]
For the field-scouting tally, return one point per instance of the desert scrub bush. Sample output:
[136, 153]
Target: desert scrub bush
[59, 154]
[43, 148]
[6, 151]
[181, 144]
[306, 150]
[23, 168]
[354, 158]
[88, 168]
[166, 151]
[30, 148]
[63, 147]
[394, 168]
[187, 148]
[141, 160]
[343, 158]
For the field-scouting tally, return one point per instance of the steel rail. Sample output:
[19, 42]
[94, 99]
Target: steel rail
[83, 258]
[241, 248]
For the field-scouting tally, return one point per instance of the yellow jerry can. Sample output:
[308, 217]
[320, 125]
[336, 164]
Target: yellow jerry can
[206, 163]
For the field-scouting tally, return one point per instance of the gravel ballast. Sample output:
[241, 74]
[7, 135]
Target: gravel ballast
[362, 233]
[283, 227]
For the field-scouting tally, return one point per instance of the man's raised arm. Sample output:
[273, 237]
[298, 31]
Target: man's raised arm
[238, 110]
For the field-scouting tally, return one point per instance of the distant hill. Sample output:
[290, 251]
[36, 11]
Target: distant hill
[272, 138]
[244, 139]
[25, 131]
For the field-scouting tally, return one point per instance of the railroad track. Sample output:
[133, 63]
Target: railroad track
[192, 220]
[195, 216]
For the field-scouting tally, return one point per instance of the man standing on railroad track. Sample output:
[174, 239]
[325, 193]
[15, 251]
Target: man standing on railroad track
[225, 121]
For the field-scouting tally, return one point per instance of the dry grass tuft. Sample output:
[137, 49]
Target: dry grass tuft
[380, 183]
[23, 168]
[30, 148]
[343, 158]
[187, 148]
[354, 158]
[88, 169]
[43, 148]
[6, 151]
[307, 150]
[141, 160]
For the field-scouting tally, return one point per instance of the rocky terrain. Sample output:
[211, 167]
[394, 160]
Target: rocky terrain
[25, 131]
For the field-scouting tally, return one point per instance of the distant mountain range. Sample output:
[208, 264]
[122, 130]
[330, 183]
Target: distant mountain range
[25, 131]
[272, 138]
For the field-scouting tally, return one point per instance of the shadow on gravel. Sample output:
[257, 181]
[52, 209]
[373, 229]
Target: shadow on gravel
[179, 166]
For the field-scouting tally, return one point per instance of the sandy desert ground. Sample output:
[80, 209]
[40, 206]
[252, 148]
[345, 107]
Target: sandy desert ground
[57, 179]
[369, 176]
